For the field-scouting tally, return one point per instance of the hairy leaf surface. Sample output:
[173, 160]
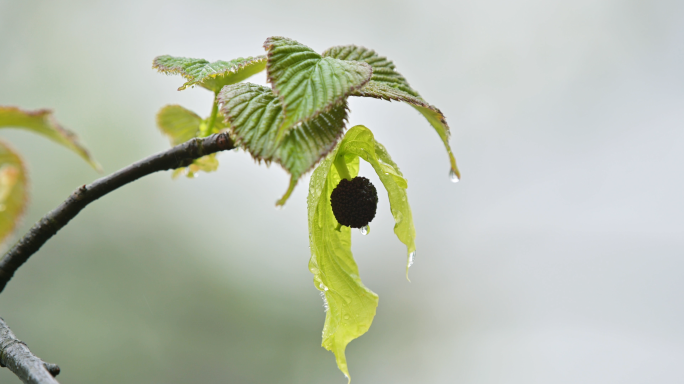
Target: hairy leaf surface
[307, 83]
[43, 123]
[255, 113]
[383, 69]
[350, 305]
[212, 76]
[388, 84]
[13, 190]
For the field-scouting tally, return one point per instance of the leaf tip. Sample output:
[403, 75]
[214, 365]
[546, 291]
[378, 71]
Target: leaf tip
[98, 168]
[290, 188]
[454, 173]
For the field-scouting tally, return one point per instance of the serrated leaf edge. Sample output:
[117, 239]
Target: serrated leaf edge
[228, 119]
[331, 105]
[191, 79]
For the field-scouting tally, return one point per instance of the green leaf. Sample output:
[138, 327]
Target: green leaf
[388, 84]
[383, 70]
[181, 125]
[350, 305]
[13, 190]
[307, 83]
[212, 76]
[208, 163]
[178, 123]
[255, 113]
[43, 123]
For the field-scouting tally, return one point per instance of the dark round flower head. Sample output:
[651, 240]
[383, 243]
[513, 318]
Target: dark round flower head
[354, 202]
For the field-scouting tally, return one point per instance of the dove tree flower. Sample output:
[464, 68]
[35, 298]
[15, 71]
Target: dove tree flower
[299, 123]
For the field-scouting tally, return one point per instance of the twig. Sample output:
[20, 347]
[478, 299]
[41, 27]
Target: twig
[16, 356]
[179, 156]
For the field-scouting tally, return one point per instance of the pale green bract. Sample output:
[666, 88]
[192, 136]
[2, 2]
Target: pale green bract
[350, 305]
[43, 123]
[255, 112]
[212, 76]
[307, 83]
[388, 84]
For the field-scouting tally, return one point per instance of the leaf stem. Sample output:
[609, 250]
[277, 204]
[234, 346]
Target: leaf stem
[341, 167]
[212, 117]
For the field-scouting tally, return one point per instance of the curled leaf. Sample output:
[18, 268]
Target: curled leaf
[42, 122]
[13, 190]
[212, 76]
[255, 113]
[388, 84]
[307, 83]
[350, 305]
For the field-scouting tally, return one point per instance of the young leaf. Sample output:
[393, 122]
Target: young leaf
[255, 113]
[350, 305]
[13, 190]
[43, 123]
[212, 76]
[178, 123]
[208, 163]
[307, 83]
[181, 125]
[388, 84]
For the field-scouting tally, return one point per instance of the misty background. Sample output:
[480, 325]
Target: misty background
[557, 259]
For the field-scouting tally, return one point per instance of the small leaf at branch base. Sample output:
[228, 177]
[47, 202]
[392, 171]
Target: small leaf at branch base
[13, 190]
[178, 123]
[307, 83]
[181, 125]
[43, 123]
[255, 113]
[208, 163]
[351, 306]
[212, 76]
[388, 84]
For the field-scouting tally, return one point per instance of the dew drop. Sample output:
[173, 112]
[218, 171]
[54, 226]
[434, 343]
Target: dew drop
[346, 317]
[453, 176]
[365, 230]
[412, 258]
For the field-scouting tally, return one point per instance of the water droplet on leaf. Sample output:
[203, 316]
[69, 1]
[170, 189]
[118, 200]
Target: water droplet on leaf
[365, 230]
[453, 176]
[412, 258]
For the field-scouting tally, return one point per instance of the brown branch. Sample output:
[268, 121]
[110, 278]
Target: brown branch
[179, 156]
[16, 356]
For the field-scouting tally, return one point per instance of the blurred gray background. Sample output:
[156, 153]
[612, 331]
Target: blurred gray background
[557, 259]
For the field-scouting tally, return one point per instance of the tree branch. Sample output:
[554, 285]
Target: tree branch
[16, 356]
[179, 156]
